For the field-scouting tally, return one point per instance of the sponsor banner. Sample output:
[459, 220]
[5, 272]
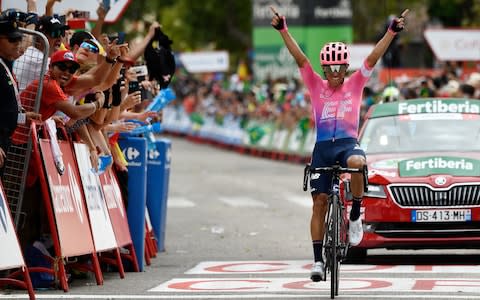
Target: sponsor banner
[117, 7]
[68, 205]
[311, 23]
[274, 60]
[304, 12]
[454, 44]
[427, 106]
[204, 62]
[11, 256]
[102, 230]
[116, 207]
[451, 165]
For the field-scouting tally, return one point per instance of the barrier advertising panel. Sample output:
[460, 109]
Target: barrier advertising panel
[11, 254]
[157, 188]
[116, 208]
[67, 201]
[102, 230]
[135, 151]
[11, 257]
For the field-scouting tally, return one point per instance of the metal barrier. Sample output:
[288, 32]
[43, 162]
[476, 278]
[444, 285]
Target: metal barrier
[31, 65]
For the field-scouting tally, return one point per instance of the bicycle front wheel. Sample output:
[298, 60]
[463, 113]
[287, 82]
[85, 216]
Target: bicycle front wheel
[334, 234]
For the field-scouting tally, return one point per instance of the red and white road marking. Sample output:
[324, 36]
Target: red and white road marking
[355, 278]
[303, 267]
[275, 285]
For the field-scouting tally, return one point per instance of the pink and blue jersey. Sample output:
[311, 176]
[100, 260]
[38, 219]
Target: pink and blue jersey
[336, 111]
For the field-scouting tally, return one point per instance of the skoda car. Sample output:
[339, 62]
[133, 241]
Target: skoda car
[423, 159]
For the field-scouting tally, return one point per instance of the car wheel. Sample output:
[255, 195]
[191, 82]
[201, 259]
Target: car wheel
[356, 255]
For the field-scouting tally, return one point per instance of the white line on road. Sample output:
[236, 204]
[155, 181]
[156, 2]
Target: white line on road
[305, 200]
[242, 202]
[179, 202]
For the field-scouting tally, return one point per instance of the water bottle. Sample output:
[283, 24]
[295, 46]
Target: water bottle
[161, 100]
[155, 128]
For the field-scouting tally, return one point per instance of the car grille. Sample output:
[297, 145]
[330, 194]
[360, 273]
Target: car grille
[427, 196]
[429, 230]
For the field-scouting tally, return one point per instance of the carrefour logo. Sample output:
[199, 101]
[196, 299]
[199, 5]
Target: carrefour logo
[424, 166]
[438, 106]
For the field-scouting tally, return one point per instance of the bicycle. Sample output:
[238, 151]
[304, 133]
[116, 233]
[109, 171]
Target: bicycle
[336, 234]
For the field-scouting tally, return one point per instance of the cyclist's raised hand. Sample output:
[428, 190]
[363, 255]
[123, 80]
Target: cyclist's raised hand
[278, 22]
[398, 23]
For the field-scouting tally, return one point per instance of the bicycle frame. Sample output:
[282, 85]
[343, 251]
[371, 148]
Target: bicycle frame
[336, 239]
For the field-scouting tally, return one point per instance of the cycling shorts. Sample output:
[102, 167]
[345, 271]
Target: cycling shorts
[328, 153]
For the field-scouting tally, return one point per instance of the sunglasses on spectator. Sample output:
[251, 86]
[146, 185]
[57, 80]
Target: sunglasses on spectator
[12, 40]
[89, 47]
[57, 33]
[64, 67]
[335, 68]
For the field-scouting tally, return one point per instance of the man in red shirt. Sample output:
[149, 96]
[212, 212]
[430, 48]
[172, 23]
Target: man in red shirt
[63, 65]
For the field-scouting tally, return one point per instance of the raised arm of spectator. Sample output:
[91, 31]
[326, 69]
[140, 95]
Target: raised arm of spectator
[381, 47]
[138, 50]
[97, 30]
[94, 76]
[33, 15]
[117, 51]
[79, 111]
[49, 7]
[280, 24]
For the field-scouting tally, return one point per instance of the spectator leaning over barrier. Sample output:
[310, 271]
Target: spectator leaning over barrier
[54, 90]
[63, 65]
[336, 104]
[11, 112]
[88, 53]
[28, 66]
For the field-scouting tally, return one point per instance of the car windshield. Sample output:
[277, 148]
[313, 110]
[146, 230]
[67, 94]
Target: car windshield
[422, 133]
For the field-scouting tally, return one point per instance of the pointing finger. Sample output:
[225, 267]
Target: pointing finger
[273, 10]
[404, 13]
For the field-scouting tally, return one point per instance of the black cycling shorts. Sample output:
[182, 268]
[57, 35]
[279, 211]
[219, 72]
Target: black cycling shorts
[328, 153]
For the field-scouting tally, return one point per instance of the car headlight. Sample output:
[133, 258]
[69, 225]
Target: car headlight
[376, 191]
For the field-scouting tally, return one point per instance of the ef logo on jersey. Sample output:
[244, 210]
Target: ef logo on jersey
[335, 109]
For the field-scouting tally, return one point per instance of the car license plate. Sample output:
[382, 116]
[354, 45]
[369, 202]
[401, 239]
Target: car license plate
[442, 215]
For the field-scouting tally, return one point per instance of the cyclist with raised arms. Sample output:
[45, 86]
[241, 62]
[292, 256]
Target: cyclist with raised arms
[336, 104]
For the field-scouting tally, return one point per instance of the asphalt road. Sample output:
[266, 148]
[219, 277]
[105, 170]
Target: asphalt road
[238, 228]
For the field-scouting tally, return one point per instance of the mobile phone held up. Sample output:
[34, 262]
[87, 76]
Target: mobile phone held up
[133, 86]
[120, 36]
[106, 4]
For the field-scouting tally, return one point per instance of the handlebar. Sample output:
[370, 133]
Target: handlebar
[334, 170]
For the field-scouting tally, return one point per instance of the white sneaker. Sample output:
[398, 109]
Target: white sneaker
[355, 232]
[318, 271]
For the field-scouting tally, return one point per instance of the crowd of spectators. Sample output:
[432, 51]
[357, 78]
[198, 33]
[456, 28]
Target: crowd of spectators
[286, 102]
[87, 80]
[92, 84]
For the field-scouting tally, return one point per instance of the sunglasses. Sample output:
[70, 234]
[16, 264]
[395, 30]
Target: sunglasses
[89, 47]
[335, 68]
[64, 67]
[12, 40]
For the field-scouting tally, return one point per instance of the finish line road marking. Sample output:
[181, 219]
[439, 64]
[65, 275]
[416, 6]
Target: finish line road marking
[303, 267]
[251, 296]
[274, 285]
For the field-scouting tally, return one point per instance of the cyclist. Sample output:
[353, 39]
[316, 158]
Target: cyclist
[336, 105]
